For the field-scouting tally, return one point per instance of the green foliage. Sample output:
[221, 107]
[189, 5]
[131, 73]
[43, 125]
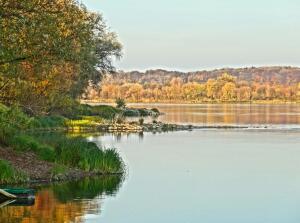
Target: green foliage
[143, 112]
[140, 112]
[28, 143]
[12, 120]
[155, 110]
[10, 175]
[49, 121]
[13, 117]
[72, 152]
[131, 113]
[102, 111]
[58, 169]
[120, 103]
[77, 152]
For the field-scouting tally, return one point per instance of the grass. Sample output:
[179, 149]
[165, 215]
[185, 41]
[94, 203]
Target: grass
[58, 169]
[24, 143]
[80, 123]
[57, 148]
[77, 152]
[10, 175]
[49, 121]
[72, 152]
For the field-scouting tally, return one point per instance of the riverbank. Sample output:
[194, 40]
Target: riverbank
[32, 169]
[27, 167]
[25, 150]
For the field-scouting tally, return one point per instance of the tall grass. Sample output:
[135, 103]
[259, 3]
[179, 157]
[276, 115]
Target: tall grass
[24, 143]
[77, 152]
[10, 175]
[72, 152]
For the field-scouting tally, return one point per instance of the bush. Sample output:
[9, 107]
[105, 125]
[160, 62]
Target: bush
[103, 111]
[144, 112]
[14, 118]
[120, 103]
[131, 113]
[155, 110]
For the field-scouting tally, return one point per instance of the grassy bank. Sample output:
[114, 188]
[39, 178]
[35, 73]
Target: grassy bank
[17, 131]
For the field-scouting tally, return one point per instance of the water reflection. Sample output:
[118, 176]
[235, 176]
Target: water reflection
[66, 202]
[212, 114]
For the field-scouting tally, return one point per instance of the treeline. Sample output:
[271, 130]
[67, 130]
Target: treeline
[274, 75]
[50, 51]
[225, 88]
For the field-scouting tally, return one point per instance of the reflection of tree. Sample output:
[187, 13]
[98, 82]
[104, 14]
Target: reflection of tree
[66, 202]
[141, 135]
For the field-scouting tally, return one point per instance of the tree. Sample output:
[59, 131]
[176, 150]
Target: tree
[54, 48]
[228, 91]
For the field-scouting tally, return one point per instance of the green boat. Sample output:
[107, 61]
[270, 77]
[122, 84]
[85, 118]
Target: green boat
[17, 193]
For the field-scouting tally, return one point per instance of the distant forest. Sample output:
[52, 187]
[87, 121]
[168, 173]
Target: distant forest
[222, 85]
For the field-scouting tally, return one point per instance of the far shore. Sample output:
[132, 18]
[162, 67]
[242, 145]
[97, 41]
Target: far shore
[132, 103]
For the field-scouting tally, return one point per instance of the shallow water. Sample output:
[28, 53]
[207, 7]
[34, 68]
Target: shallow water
[206, 176]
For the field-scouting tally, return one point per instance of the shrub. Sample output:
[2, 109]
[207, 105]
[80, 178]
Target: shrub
[103, 111]
[120, 103]
[14, 118]
[131, 113]
[155, 110]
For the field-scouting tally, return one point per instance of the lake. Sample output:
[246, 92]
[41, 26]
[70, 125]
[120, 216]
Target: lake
[211, 176]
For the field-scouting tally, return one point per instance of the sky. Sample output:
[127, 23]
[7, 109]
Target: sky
[191, 35]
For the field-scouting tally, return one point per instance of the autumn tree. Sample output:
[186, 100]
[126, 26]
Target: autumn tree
[50, 51]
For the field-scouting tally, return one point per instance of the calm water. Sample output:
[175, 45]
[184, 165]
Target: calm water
[228, 114]
[208, 176]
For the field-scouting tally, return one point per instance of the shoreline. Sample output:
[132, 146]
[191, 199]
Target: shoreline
[40, 171]
[258, 102]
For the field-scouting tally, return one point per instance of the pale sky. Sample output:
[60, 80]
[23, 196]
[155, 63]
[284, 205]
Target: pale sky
[192, 35]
